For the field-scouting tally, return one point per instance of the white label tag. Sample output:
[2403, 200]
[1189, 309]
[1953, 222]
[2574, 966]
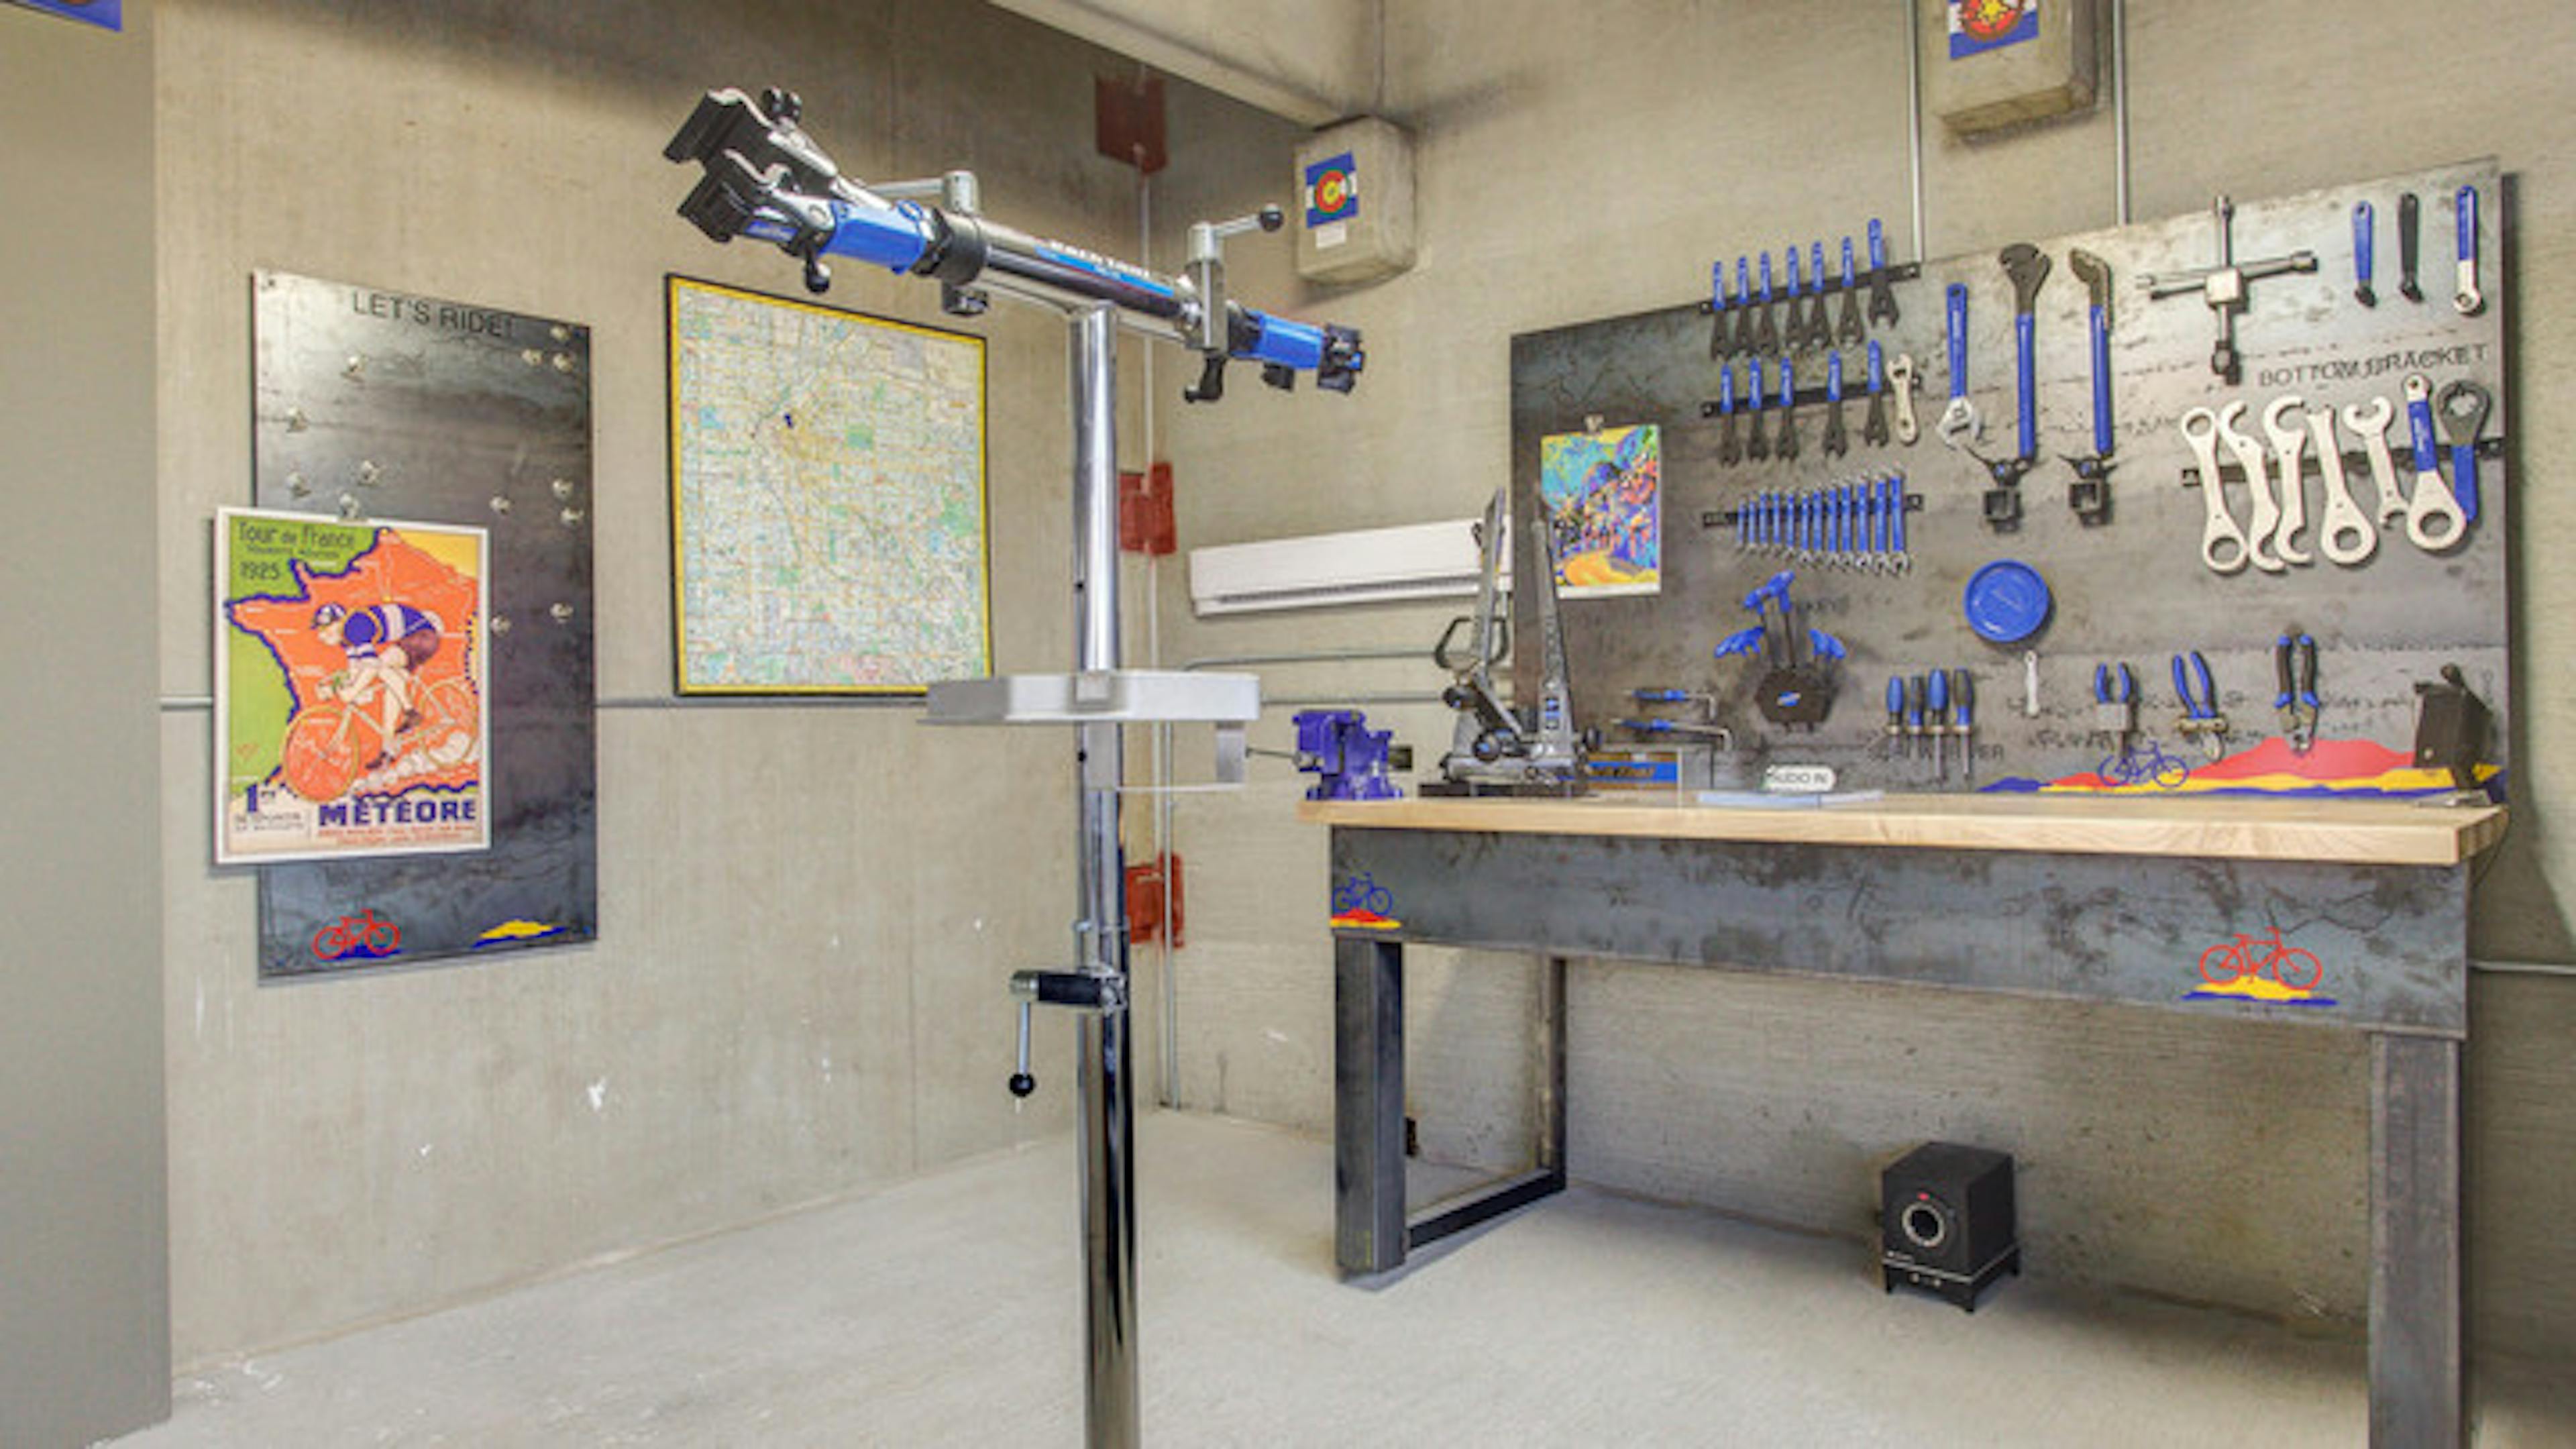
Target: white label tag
[1332, 234]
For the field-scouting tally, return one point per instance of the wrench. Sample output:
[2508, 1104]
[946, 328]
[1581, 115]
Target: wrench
[1873, 430]
[2027, 267]
[1719, 334]
[2288, 440]
[1900, 381]
[2346, 536]
[1836, 442]
[1743, 309]
[1820, 322]
[1794, 329]
[2466, 300]
[2409, 218]
[1787, 446]
[1851, 329]
[2464, 408]
[1959, 425]
[1882, 299]
[2267, 510]
[1896, 523]
[2364, 228]
[2434, 520]
[1730, 450]
[2222, 543]
[1766, 334]
[1757, 443]
[2370, 420]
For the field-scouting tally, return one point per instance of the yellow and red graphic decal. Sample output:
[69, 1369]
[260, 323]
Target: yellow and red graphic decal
[2261, 968]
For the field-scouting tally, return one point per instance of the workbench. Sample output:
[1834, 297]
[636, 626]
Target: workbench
[2171, 904]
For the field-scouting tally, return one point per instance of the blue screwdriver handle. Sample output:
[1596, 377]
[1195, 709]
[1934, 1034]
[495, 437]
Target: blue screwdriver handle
[1936, 694]
[1717, 287]
[1816, 268]
[1958, 306]
[1725, 389]
[1877, 367]
[1743, 291]
[1895, 696]
[1766, 278]
[1963, 699]
[2026, 376]
[1850, 277]
[2100, 326]
[1834, 375]
[2365, 239]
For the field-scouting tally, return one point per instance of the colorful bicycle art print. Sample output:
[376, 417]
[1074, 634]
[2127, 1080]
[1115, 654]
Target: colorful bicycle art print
[350, 710]
[1603, 494]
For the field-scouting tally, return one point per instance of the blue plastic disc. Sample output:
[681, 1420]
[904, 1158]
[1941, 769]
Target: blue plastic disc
[2006, 601]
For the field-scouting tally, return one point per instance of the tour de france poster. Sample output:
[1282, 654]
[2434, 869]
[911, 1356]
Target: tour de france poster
[350, 707]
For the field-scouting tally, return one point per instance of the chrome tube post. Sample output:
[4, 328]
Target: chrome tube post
[1104, 1089]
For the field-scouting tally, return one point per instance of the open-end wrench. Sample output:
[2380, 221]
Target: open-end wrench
[2434, 519]
[1793, 328]
[2345, 537]
[2267, 511]
[1757, 440]
[2410, 218]
[1836, 442]
[2465, 298]
[2365, 227]
[1730, 450]
[2288, 440]
[1882, 297]
[2222, 543]
[1873, 429]
[1959, 425]
[1850, 329]
[2370, 420]
[1820, 321]
[2464, 406]
[1896, 523]
[1743, 341]
[1900, 381]
[1721, 334]
[1766, 331]
[1786, 447]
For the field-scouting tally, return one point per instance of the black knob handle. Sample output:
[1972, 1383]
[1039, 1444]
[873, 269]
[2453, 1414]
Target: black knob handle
[1022, 1084]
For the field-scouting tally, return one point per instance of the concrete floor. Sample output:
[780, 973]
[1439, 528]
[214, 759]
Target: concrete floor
[944, 1311]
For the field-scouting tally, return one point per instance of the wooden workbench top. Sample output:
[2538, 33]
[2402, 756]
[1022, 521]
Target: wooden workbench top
[2233, 827]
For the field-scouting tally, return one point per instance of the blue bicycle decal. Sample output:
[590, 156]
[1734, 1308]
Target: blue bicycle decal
[2150, 765]
[1362, 893]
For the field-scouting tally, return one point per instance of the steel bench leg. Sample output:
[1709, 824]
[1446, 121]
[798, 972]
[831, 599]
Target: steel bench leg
[2414, 1242]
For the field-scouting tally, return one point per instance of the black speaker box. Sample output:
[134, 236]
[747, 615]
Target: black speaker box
[1946, 1221]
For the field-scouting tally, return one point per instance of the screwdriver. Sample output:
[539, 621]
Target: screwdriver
[1938, 711]
[1895, 713]
[1914, 708]
[1963, 696]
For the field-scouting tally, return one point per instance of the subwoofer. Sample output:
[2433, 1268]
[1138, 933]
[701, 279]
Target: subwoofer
[1946, 1221]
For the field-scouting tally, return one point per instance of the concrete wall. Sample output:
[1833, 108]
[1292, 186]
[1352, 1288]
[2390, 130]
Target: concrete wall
[84, 1284]
[807, 911]
[1575, 171]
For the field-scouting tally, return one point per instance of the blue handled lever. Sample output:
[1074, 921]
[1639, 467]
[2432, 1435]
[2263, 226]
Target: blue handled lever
[2465, 298]
[2365, 227]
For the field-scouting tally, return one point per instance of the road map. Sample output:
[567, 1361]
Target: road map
[828, 498]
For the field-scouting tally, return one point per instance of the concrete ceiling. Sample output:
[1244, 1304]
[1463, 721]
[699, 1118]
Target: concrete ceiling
[1312, 61]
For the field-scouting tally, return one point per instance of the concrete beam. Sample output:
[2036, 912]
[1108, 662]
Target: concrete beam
[1311, 61]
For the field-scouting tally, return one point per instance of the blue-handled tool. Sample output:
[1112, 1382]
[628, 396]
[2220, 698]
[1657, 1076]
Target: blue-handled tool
[1766, 336]
[1743, 306]
[1730, 449]
[1896, 522]
[2436, 519]
[1835, 441]
[2115, 703]
[1936, 718]
[1895, 712]
[2200, 717]
[2464, 406]
[2090, 494]
[1914, 711]
[1958, 425]
[1785, 447]
[2465, 299]
[1873, 429]
[1882, 297]
[1820, 328]
[2294, 663]
[1720, 336]
[1850, 329]
[1963, 720]
[1757, 443]
[2365, 239]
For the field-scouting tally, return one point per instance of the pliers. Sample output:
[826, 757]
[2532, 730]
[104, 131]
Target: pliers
[2115, 703]
[2294, 661]
[2200, 717]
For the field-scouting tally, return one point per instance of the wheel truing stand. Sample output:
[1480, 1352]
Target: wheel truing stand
[766, 179]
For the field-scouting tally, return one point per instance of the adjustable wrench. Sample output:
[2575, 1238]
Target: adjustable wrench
[2222, 543]
[2267, 512]
[2346, 536]
[1873, 430]
[1757, 443]
[1850, 329]
[2370, 420]
[2410, 213]
[1900, 381]
[2465, 299]
[2434, 519]
[2027, 266]
[1882, 298]
[1787, 447]
[1820, 324]
[2365, 226]
[1959, 425]
[1836, 442]
[1766, 334]
[2288, 440]
[2464, 408]
[1729, 450]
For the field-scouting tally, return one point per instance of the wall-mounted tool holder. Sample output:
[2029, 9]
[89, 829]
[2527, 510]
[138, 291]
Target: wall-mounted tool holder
[2070, 429]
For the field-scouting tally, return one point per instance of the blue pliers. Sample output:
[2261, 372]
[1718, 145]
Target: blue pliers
[2115, 703]
[2200, 717]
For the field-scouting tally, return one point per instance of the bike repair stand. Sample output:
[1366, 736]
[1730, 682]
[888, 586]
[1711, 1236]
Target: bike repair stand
[766, 179]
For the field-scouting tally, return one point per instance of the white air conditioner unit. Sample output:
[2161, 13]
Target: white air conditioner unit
[1365, 566]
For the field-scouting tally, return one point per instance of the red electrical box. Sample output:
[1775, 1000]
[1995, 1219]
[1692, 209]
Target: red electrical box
[1145, 511]
[1145, 899]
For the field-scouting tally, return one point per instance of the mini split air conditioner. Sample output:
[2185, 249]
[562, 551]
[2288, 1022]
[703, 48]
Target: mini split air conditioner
[1365, 566]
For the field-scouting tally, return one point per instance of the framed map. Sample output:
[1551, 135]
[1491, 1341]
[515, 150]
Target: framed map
[828, 521]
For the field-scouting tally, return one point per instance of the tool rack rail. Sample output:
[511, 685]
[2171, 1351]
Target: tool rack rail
[2375, 894]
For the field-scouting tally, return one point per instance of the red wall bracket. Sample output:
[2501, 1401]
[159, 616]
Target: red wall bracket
[1145, 511]
[1145, 900]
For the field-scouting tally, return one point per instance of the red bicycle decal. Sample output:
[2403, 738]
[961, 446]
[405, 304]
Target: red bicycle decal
[364, 934]
[2229, 962]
